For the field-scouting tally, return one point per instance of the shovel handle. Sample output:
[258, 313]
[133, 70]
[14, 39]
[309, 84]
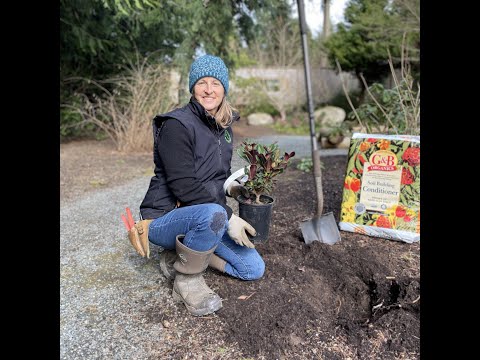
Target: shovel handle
[317, 172]
[301, 16]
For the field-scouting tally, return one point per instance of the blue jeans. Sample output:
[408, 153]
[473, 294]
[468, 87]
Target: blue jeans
[204, 227]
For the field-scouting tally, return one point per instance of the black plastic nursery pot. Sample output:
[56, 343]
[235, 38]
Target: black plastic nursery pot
[257, 215]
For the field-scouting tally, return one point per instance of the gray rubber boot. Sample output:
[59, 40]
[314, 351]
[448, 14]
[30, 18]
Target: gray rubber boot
[216, 262]
[189, 285]
[168, 258]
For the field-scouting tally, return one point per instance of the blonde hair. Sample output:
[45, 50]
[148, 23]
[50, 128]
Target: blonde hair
[224, 115]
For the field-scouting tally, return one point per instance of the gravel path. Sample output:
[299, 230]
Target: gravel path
[109, 294]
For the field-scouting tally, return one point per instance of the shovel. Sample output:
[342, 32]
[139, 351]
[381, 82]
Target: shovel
[321, 228]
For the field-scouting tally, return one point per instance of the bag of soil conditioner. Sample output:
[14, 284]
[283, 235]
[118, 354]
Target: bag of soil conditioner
[381, 195]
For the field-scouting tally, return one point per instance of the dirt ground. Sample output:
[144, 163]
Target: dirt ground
[357, 299]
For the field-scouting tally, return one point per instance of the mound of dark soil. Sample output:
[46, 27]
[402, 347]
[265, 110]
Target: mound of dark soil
[358, 298]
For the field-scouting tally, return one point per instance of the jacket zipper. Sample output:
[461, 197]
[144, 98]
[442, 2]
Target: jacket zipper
[219, 144]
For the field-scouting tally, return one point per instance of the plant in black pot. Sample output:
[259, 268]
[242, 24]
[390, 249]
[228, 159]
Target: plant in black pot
[264, 164]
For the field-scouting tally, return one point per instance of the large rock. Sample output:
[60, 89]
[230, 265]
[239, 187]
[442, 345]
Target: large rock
[259, 119]
[329, 118]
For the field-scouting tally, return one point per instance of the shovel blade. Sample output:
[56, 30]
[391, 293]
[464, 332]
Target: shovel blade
[323, 229]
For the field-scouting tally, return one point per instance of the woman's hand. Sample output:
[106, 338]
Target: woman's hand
[235, 189]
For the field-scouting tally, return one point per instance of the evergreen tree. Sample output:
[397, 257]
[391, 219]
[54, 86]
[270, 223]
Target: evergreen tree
[371, 29]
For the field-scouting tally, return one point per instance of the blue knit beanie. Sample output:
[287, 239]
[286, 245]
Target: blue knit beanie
[208, 65]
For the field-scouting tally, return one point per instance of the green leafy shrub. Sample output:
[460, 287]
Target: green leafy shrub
[340, 100]
[72, 125]
[305, 165]
[391, 111]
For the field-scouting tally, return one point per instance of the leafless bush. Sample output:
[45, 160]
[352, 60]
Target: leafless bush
[390, 111]
[125, 113]
[283, 52]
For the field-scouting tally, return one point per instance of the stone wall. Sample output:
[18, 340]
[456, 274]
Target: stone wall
[285, 84]
[288, 84]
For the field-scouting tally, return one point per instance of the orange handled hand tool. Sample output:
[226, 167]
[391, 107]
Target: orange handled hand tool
[131, 222]
[124, 219]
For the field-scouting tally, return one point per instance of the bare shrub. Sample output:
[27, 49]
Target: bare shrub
[283, 51]
[389, 111]
[125, 113]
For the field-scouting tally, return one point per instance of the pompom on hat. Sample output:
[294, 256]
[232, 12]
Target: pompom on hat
[208, 65]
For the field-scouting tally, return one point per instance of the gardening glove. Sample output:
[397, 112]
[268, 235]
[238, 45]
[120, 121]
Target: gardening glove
[137, 233]
[236, 229]
[235, 189]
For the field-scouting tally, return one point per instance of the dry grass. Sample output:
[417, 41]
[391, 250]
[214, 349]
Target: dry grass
[125, 114]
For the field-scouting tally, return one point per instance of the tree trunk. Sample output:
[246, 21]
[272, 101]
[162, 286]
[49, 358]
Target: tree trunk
[327, 27]
[326, 31]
